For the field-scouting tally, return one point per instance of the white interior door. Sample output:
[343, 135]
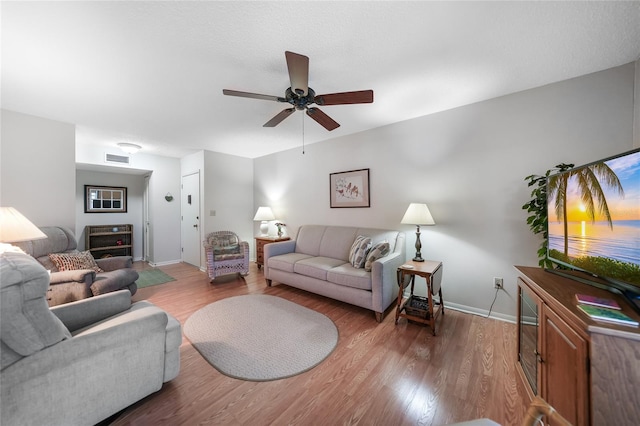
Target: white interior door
[191, 237]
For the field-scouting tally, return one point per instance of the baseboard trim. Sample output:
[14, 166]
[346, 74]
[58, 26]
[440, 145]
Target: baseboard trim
[169, 262]
[480, 312]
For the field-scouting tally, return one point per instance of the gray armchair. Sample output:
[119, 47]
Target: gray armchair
[68, 286]
[81, 362]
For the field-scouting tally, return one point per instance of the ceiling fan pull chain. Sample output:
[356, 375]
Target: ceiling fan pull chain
[302, 133]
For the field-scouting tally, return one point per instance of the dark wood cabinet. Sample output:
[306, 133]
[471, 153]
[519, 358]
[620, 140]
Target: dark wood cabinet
[587, 370]
[564, 372]
[109, 240]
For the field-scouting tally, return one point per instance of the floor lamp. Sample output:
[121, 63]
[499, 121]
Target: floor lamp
[418, 214]
[14, 228]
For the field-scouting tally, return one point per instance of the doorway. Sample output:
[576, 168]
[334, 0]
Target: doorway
[190, 224]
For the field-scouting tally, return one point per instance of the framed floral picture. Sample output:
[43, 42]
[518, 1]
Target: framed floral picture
[349, 189]
[105, 199]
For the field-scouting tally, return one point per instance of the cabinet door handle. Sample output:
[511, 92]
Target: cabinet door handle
[538, 357]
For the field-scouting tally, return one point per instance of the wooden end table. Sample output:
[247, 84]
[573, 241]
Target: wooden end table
[416, 308]
[260, 243]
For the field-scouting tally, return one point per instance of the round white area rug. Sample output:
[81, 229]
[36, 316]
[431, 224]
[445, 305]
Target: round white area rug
[261, 337]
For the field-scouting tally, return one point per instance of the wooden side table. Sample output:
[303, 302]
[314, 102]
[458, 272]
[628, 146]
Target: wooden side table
[416, 308]
[260, 243]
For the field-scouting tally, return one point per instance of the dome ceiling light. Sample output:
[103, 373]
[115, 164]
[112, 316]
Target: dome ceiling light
[129, 148]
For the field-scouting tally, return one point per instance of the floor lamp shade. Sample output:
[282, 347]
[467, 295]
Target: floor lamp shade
[14, 227]
[418, 214]
[264, 214]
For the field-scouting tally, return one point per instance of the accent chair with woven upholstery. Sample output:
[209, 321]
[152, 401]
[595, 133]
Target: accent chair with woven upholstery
[76, 275]
[226, 254]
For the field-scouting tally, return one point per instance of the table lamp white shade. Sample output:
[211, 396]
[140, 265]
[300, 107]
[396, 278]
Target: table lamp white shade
[264, 214]
[418, 214]
[14, 227]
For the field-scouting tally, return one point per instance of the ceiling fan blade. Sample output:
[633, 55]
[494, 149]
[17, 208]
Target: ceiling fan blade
[298, 66]
[323, 119]
[358, 97]
[278, 118]
[252, 95]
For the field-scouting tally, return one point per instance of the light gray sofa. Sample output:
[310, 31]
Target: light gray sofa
[69, 286]
[317, 260]
[81, 362]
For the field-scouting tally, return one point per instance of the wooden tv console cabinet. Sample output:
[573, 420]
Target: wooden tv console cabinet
[588, 371]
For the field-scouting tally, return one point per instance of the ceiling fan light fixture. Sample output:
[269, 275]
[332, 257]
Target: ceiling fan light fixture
[301, 96]
[129, 148]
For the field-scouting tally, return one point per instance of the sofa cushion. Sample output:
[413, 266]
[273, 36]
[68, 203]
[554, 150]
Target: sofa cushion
[226, 250]
[228, 256]
[336, 242]
[316, 267]
[358, 252]
[285, 262]
[349, 276]
[26, 323]
[378, 251]
[309, 238]
[74, 261]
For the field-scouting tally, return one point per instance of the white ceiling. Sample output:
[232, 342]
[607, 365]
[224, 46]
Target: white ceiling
[152, 73]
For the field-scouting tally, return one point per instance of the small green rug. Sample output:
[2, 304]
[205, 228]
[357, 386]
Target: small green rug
[150, 277]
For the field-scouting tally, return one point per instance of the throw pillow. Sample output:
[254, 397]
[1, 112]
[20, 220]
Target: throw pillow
[378, 251]
[358, 252]
[74, 261]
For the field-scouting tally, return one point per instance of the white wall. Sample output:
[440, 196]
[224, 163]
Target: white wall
[38, 171]
[164, 177]
[164, 216]
[228, 190]
[135, 190]
[468, 164]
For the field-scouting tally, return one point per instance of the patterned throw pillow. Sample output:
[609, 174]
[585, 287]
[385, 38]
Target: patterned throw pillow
[358, 252]
[378, 251]
[74, 261]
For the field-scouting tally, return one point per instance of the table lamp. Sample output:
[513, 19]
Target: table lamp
[418, 214]
[14, 227]
[264, 214]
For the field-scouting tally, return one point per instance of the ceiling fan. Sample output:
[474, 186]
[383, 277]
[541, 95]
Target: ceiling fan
[301, 96]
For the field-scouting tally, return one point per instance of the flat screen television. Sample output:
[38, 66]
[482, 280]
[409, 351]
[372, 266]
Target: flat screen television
[594, 224]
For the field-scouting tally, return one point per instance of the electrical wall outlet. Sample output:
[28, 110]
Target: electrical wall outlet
[497, 282]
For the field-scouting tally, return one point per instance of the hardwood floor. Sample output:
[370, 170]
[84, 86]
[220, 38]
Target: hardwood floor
[379, 374]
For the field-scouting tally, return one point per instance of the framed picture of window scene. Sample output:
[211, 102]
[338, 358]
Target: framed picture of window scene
[105, 199]
[349, 189]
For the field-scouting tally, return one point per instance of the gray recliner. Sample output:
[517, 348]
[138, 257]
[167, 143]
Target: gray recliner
[81, 362]
[69, 286]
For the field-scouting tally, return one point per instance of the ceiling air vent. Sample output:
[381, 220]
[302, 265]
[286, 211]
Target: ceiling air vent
[117, 159]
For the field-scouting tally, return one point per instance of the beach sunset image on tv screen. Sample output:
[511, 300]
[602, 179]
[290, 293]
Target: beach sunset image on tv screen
[594, 218]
